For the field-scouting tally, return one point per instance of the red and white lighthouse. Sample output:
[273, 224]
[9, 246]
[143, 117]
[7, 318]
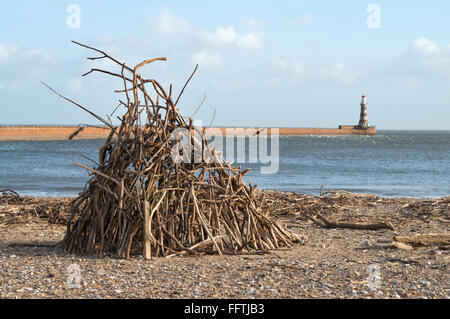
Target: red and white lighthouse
[363, 123]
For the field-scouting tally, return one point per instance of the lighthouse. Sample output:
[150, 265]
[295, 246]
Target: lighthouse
[363, 127]
[363, 123]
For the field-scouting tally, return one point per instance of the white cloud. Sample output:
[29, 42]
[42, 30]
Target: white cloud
[207, 59]
[339, 72]
[254, 24]
[302, 19]
[21, 63]
[228, 36]
[295, 70]
[222, 35]
[6, 52]
[200, 37]
[167, 24]
[423, 60]
[423, 45]
[280, 63]
[250, 41]
[75, 85]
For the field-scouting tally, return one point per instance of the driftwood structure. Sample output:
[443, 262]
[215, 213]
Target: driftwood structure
[146, 195]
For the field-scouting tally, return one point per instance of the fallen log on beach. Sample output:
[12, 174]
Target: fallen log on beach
[424, 239]
[325, 223]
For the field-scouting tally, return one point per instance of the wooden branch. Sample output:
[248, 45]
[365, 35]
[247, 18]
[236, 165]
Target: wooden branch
[104, 55]
[425, 239]
[80, 106]
[76, 132]
[107, 72]
[400, 245]
[146, 253]
[182, 90]
[203, 221]
[331, 224]
[97, 172]
[7, 190]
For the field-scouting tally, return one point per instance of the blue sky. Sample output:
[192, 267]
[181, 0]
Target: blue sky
[261, 63]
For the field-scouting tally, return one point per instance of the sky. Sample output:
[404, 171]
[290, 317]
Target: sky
[260, 63]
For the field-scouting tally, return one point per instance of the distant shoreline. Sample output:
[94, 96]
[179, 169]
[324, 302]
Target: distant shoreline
[65, 132]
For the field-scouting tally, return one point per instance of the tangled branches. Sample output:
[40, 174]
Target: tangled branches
[146, 195]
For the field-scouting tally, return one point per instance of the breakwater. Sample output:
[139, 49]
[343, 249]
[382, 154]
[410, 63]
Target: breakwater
[64, 132]
[50, 132]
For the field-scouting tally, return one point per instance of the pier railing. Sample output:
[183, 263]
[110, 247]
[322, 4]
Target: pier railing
[50, 125]
[40, 125]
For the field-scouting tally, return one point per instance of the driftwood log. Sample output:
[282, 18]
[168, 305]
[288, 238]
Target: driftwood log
[324, 222]
[400, 245]
[424, 239]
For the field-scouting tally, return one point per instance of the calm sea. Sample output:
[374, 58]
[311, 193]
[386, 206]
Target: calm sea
[393, 163]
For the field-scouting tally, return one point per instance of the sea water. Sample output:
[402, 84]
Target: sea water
[392, 163]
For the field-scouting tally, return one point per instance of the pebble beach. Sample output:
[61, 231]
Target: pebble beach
[330, 263]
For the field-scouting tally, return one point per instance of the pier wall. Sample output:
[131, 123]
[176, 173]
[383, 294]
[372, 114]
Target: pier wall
[15, 133]
[350, 130]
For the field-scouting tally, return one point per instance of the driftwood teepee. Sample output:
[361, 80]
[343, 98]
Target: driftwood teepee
[142, 199]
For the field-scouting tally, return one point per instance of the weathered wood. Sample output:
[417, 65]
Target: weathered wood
[140, 187]
[400, 245]
[76, 132]
[201, 217]
[146, 253]
[425, 239]
[364, 226]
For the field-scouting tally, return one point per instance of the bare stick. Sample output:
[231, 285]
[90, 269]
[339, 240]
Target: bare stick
[80, 106]
[182, 90]
[332, 224]
[147, 252]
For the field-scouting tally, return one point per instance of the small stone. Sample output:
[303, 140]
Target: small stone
[249, 290]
